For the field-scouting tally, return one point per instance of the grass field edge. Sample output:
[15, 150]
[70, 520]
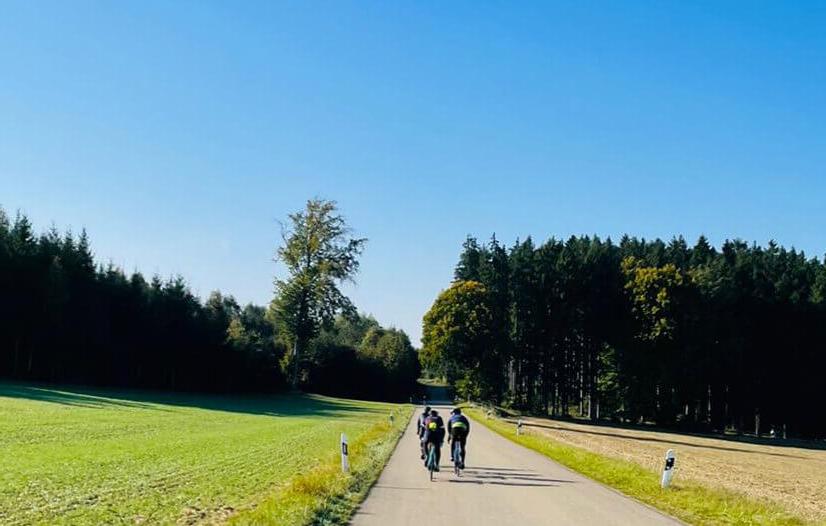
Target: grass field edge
[686, 501]
[325, 495]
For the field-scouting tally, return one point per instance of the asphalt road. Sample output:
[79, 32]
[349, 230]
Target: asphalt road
[504, 484]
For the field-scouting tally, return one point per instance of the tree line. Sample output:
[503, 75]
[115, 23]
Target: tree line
[692, 337]
[66, 319]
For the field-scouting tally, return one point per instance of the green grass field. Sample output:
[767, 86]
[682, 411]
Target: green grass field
[79, 456]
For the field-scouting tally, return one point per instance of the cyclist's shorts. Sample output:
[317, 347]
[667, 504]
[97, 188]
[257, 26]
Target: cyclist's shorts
[458, 432]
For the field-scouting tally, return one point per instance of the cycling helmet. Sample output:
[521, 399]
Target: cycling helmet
[433, 412]
[456, 411]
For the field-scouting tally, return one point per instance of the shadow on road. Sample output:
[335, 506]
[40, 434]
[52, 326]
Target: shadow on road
[507, 477]
[501, 483]
[515, 470]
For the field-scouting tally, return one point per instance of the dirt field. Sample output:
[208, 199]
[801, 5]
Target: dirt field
[794, 477]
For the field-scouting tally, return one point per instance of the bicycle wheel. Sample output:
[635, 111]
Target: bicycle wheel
[457, 458]
[431, 459]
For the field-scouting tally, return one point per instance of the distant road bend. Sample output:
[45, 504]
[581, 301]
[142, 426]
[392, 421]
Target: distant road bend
[504, 484]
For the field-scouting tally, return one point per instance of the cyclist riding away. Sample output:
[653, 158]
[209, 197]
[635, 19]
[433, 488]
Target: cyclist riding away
[434, 433]
[420, 429]
[458, 429]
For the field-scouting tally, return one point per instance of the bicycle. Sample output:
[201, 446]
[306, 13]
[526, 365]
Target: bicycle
[457, 458]
[431, 459]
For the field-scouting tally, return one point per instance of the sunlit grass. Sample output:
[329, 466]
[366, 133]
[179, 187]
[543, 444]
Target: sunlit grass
[77, 456]
[324, 495]
[691, 502]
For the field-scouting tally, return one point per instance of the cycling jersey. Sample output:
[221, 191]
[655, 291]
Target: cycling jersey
[434, 429]
[458, 425]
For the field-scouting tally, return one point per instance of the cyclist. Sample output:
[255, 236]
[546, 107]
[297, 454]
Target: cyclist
[420, 429]
[458, 429]
[434, 433]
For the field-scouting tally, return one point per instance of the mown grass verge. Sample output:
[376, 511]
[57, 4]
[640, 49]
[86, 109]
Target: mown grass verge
[688, 501]
[324, 495]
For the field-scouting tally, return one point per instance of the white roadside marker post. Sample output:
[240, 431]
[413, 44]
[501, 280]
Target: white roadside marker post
[392, 417]
[519, 427]
[668, 470]
[345, 460]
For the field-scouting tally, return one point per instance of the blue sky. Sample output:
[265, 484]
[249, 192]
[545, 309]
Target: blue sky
[178, 133]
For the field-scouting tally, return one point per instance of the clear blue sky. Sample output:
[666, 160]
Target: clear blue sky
[178, 133]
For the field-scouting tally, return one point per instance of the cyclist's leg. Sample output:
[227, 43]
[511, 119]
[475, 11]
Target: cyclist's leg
[463, 444]
[430, 446]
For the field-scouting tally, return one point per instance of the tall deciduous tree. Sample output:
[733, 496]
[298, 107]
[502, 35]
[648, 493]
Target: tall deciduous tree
[319, 255]
[456, 337]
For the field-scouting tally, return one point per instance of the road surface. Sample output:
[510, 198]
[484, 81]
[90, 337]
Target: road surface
[504, 484]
